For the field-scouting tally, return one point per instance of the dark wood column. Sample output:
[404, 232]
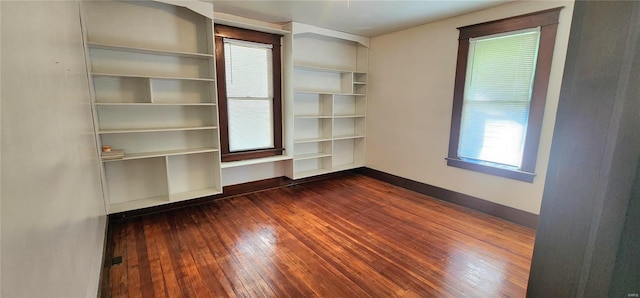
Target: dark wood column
[587, 222]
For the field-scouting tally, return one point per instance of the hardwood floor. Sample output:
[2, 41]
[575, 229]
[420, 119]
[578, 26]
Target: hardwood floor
[351, 236]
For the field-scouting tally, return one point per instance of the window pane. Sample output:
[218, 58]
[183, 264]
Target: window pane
[493, 131]
[497, 93]
[248, 70]
[250, 124]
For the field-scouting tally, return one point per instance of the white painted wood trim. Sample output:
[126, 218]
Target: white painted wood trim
[245, 23]
[299, 28]
[255, 161]
[202, 8]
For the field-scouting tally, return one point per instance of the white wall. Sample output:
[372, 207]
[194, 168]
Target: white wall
[52, 219]
[411, 81]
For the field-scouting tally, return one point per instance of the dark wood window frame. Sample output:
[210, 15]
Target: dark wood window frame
[547, 20]
[222, 32]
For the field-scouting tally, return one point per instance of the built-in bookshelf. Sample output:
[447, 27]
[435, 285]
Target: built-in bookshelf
[328, 99]
[153, 94]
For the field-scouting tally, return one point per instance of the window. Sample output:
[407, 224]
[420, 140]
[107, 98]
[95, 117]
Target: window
[248, 81]
[501, 84]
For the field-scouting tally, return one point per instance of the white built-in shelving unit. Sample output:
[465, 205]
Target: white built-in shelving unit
[327, 100]
[153, 93]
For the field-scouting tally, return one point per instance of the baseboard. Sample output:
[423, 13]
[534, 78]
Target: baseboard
[508, 213]
[107, 252]
[227, 192]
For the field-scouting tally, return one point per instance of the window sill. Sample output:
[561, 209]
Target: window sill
[255, 161]
[491, 170]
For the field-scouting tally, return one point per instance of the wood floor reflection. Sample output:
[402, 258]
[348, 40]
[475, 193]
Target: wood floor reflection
[350, 236]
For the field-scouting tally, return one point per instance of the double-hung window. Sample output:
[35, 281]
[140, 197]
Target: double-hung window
[248, 74]
[500, 90]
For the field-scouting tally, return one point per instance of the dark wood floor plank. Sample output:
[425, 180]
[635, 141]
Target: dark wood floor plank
[384, 250]
[348, 236]
[264, 244]
[478, 248]
[118, 272]
[324, 245]
[286, 217]
[171, 285]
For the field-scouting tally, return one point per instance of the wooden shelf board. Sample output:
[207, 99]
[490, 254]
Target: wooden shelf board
[311, 156]
[326, 92]
[347, 137]
[255, 161]
[152, 104]
[137, 130]
[312, 140]
[359, 83]
[323, 69]
[312, 116]
[114, 75]
[141, 155]
[102, 46]
[192, 194]
[349, 116]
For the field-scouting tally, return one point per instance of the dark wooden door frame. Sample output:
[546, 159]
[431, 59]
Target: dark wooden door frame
[589, 194]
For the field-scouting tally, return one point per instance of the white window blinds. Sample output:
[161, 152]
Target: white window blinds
[497, 95]
[249, 82]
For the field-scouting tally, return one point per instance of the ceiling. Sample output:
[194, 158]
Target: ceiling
[361, 17]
